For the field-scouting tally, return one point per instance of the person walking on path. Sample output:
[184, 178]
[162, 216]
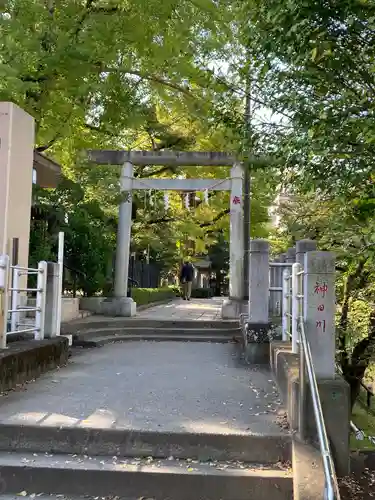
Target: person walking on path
[186, 279]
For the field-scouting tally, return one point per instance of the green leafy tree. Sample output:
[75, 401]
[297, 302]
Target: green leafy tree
[313, 65]
[349, 232]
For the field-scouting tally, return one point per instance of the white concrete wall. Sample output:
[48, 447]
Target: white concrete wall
[16, 170]
[69, 309]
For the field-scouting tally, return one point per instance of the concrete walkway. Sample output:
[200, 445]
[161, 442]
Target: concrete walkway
[154, 386]
[181, 387]
[196, 309]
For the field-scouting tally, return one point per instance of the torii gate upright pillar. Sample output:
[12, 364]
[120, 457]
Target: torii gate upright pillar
[121, 304]
[233, 306]
[124, 231]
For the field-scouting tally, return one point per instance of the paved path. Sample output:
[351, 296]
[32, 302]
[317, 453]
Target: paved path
[196, 309]
[156, 386]
[178, 309]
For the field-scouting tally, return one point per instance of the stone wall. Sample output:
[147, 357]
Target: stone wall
[25, 360]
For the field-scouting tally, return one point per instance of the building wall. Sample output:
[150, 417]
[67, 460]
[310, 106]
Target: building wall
[16, 167]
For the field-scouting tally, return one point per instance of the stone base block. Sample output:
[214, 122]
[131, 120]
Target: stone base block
[257, 353]
[92, 304]
[233, 308]
[256, 343]
[118, 306]
[334, 397]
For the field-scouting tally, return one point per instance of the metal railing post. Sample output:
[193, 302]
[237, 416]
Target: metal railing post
[295, 293]
[302, 393]
[286, 306]
[14, 321]
[40, 301]
[60, 261]
[4, 276]
[298, 280]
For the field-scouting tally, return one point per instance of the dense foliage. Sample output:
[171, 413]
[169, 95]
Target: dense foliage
[340, 229]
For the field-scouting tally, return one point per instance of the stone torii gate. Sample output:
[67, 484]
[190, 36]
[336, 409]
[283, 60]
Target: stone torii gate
[120, 304]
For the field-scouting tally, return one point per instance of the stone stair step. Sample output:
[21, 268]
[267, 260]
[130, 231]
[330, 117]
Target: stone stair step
[151, 478]
[105, 335]
[85, 314]
[131, 443]
[95, 322]
[96, 341]
[101, 336]
[29, 495]
[156, 330]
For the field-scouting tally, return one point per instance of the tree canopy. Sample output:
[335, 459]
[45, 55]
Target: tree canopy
[126, 75]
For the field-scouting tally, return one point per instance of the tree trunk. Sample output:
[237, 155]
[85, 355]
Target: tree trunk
[355, 369]
[354, 376]
[218, 284]
[343, 323]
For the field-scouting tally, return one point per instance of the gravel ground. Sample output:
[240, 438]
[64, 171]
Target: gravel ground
[358, 486]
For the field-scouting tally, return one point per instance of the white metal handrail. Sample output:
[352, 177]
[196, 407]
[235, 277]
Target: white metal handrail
[11, 288]
[275, 274]
[281, 264]
[292, 304]
[286, 305]
[14, 272]
[331, 489]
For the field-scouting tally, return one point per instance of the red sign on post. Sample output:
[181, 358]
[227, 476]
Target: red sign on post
[236, 200]
[321, 325]
[321, 289]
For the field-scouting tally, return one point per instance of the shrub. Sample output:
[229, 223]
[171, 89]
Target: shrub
[202, 293]
[144, 296]
[176, 290]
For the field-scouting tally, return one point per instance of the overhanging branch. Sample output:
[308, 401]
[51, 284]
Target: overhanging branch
[219, 216]
[152, 78]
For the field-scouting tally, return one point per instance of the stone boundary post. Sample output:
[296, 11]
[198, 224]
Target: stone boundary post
[259, 282]
[291, 255]
[303, 246]
[52, 297]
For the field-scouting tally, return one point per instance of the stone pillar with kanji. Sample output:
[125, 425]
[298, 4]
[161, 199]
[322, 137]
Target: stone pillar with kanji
[319, 310]
[233, 306]
[334, 392]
